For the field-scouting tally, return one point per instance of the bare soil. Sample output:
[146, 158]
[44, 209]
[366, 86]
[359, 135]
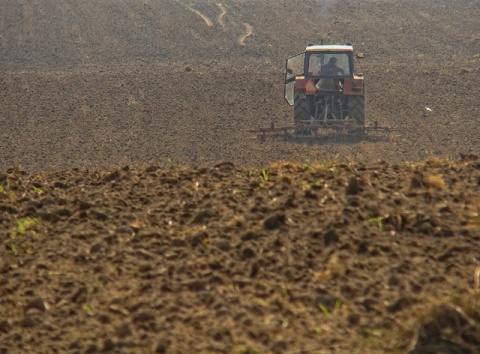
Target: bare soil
[139, 214]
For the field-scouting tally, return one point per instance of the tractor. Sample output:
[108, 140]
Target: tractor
[328, 98]
[326, 94]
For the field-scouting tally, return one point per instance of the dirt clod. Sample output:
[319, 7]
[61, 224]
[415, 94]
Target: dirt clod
[330, 237]
[5, 326]
[275, 221]
[353, 186]
[123, 331]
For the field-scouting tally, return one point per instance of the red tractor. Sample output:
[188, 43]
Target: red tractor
[321, 85]
[328, 97]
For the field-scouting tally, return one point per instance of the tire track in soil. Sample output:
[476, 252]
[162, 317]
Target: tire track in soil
[205, 18]
[248, 33]
[221, 15]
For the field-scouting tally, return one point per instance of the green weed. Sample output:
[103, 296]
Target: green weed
[5, 187]
[379, 220]
[324, 310]
[12, 248]
[247, 350]
[264, 175]
[87, 309]
[239, 191]
[24, 224]
[338, 304]
[37, 190]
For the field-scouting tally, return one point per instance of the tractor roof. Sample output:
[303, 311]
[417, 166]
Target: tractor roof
[330, 48]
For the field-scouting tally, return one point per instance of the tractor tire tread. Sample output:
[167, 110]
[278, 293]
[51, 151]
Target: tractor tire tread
[356, 108]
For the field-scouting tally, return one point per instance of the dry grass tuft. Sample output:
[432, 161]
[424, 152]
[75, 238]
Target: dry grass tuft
[435, 162]
[283, 166]
[434, 181]
[450, 326]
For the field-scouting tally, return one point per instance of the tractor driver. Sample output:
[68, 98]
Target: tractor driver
[329, 83]
[331, 68]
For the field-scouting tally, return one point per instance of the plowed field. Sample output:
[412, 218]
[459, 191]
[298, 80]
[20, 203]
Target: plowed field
[139, 215]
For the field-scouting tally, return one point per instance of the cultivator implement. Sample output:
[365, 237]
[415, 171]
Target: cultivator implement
[341, 131]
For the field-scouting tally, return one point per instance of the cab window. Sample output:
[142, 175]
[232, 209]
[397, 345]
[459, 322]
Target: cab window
[317, 61]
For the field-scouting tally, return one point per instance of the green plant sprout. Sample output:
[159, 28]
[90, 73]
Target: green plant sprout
[238, 191]
[37, 190]
[324, 310]
[264, 175]
[338, 304]
[88, 309]
[379, 220]
[24, 224]
[4, 188]
[13, 248]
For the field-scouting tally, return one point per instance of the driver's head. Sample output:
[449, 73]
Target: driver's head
[333, 60]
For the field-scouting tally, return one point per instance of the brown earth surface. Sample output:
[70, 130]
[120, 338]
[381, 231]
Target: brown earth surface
[285, 248]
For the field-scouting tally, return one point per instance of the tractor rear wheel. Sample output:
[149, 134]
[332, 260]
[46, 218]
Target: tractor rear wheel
[301, 109]
[356, 108]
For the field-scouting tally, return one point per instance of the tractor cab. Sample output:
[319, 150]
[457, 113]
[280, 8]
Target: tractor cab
[320, 67]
